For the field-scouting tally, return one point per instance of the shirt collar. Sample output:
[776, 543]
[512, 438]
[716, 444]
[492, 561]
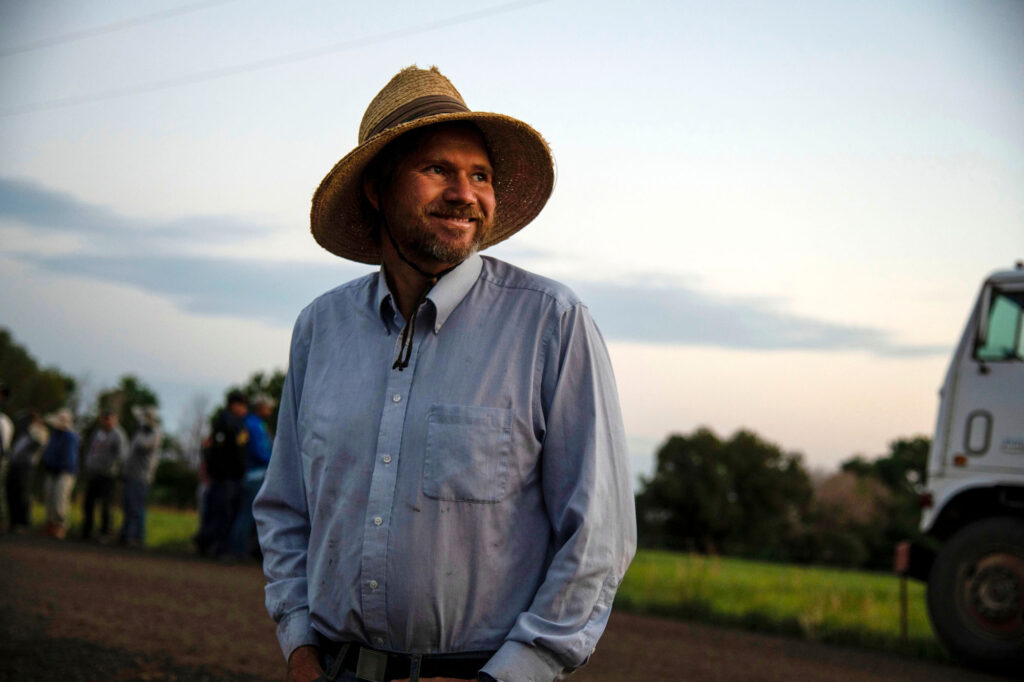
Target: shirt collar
[446, 295]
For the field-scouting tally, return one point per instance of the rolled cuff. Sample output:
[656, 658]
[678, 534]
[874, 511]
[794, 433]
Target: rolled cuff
[517, 662]
[295, 630]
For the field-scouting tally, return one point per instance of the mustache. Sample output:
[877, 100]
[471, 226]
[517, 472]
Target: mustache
[457, 212]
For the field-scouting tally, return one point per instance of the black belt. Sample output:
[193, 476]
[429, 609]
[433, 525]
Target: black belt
[381, 666]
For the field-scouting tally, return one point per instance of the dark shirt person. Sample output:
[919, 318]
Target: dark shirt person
[225, 458]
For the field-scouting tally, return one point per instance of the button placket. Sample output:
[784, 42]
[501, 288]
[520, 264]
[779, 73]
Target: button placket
[382, 498]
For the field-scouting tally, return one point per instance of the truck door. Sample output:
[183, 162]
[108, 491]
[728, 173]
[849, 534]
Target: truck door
[989, 422]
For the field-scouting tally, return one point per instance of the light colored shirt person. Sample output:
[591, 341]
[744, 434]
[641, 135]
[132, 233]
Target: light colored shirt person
[107, 452]
[486, 508]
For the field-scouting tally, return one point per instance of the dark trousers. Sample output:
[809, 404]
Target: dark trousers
[223, 498]
[19, 496]
[98, 489]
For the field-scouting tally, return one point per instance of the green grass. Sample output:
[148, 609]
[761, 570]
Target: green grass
[167, 529]
[824, 604]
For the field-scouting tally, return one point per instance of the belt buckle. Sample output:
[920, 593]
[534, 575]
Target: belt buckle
[371, 665]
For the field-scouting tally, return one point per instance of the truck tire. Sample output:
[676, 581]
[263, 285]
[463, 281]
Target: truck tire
[976, 594]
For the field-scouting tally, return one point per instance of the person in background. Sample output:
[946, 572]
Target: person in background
[6, 438]
[258, 447]
[60, 461]
[225, 459]
[143, 456]
[24, 459]
[107, 451]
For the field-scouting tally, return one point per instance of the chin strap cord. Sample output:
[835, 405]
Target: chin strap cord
[405, 347]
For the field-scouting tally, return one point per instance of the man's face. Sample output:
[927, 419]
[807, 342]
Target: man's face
[108, 421]
[439, 204]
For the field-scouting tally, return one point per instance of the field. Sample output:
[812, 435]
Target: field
[818, 604]
[823, 604]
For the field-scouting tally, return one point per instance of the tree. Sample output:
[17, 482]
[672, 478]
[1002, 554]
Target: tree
[901, 472]
[32, 387]
[850, 514]
[195, 428]
[740, 496]
[130, 392]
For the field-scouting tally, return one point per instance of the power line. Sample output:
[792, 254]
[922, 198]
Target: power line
[107, 28]
[259, 65]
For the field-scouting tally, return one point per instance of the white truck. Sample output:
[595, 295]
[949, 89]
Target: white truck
[973, 497]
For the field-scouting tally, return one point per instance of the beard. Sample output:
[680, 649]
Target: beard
[412, 231]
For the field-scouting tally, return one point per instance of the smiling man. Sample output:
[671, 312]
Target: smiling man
[448, 496]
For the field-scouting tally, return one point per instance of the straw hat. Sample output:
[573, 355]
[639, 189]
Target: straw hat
[61, 419]
[344, 222]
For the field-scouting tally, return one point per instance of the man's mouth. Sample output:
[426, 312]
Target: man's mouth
[461, 220]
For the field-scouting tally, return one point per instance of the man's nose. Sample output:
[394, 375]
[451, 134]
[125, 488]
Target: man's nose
[459, 189]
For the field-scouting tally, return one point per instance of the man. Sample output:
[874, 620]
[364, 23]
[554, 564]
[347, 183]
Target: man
[107, 451]
[449, 495]
[258, 450]
[139, 469]
[24, 459]
[60, 462]
[6, 442]
[225, 457]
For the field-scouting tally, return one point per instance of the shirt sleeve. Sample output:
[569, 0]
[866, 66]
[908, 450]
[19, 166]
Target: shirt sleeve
[589, 501]
[282, 515]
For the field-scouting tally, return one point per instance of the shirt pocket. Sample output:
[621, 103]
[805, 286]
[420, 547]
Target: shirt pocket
[467, 454]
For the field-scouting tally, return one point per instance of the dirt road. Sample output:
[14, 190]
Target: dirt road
[72, 611]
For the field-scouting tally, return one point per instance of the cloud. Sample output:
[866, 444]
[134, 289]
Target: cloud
[274, 291]
[32, 205]
[674, 314]
[268, 291]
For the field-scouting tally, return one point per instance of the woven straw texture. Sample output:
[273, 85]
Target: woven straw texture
[342, 220]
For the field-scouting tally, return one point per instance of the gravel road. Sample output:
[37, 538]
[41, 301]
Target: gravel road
[74, 611]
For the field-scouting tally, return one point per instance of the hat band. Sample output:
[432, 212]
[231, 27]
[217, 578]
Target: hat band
[418, 108]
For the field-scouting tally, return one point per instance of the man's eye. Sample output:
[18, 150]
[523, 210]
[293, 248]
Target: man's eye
[435, 169]
[481, 177]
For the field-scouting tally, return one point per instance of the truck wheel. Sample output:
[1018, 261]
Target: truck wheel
[976, 594]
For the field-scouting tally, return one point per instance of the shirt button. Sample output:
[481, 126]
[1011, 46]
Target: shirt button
[373, 584]
[377, 520]
[387, 459]
[379, 641]
[397, 398]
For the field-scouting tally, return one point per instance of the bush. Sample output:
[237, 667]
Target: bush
[175, 485]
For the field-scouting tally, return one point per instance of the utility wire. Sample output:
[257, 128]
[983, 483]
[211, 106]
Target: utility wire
[107, 28]
[259, 65]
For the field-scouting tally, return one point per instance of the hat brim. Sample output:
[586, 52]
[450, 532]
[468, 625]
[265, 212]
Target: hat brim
[343, 222]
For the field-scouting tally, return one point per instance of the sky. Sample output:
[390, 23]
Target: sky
[779, 213]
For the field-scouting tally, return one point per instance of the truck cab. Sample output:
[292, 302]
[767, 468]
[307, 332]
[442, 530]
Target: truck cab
[973, 498]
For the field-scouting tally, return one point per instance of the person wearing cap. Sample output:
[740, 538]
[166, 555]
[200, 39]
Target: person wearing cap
[139, 469]
[449, 495]
[225, 457]
[107, 452]
[258, 450]
[60, 462]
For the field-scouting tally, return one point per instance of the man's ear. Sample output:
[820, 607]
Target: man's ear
[370, 190]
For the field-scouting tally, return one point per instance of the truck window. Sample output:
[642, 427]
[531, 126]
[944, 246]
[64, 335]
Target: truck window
[1003, 340]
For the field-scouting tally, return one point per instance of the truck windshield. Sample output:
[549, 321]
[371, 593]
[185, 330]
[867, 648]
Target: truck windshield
[1003, 338]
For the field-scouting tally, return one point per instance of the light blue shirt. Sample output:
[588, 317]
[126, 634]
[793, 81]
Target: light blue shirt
[479, 500]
